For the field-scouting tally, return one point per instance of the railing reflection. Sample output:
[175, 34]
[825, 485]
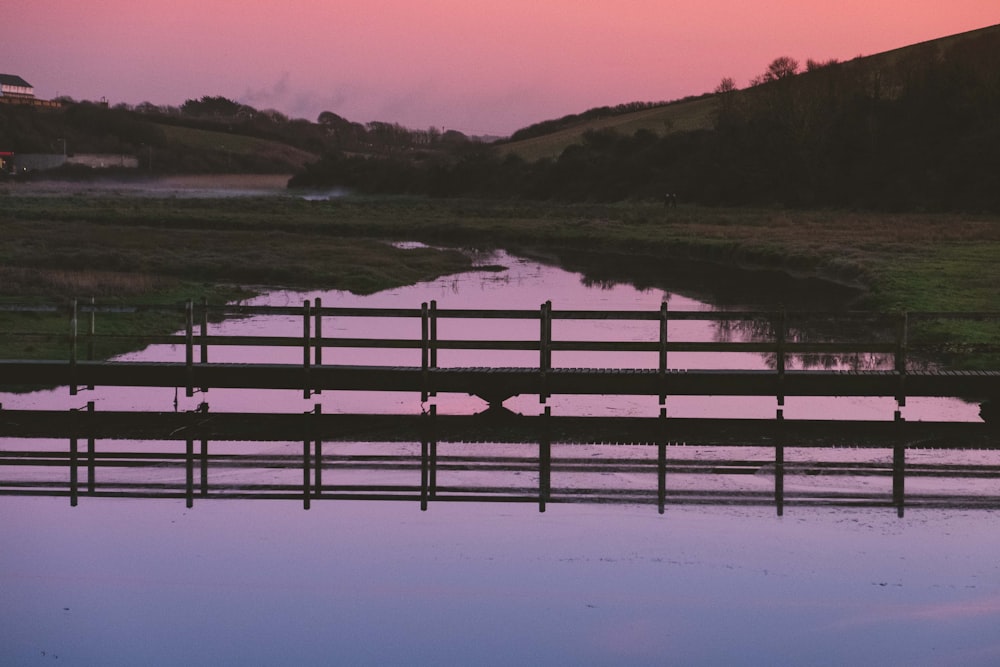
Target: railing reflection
[429, 459]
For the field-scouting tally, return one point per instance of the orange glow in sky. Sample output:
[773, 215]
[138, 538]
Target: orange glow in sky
[474, 66]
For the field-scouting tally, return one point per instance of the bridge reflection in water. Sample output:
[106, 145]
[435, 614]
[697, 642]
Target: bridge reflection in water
[498, 457]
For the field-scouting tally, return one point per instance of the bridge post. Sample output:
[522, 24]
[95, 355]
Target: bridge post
[306, 472]
[318, 336]
[204, 467]
[664, 319]
[544, 348]
[661, 464]
[74, 487]
[306, 349]
[433, 446]
[545, 461]
[91, 454]
[428, 456]
[779, 465]
[204, 335]
[203, 408]
[898, 473]
[898, 478]
[424, 350]
[433, 337]
[317, 491]
[189, 474]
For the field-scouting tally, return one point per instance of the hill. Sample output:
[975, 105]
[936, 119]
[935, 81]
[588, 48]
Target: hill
[699, 113]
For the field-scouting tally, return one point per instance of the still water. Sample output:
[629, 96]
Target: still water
[259, 583]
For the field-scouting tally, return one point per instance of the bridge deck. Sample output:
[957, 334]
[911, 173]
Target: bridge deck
[497, 384]
[492, 427]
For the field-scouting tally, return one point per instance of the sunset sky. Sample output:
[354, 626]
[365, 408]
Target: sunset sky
[478, 67]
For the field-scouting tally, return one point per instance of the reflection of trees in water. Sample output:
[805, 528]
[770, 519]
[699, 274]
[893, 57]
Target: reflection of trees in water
[600, 283]
[818, 328]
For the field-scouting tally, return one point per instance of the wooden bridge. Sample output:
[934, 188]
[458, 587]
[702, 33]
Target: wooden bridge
[782, 337]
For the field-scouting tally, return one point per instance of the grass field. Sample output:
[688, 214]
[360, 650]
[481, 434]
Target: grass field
[121, 247]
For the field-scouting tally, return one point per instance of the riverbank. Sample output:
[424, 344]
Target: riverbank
[84, 243]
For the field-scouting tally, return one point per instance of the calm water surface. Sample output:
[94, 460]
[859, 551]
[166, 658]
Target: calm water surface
[124, 582]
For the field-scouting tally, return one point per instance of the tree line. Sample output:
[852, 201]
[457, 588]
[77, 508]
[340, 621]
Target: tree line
[141, 130]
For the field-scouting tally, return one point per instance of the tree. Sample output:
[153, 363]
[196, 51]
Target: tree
[727, 85]
[781, 67]
[813, 65]
[331, 119]
[209, 106]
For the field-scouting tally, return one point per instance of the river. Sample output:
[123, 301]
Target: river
[122, 582]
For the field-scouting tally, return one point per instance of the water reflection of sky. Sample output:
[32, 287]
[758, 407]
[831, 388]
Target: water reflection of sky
[149, 582]
[227, 583]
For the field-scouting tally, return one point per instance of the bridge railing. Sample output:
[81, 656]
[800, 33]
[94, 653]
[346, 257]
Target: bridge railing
[782, 334]
[891, 340]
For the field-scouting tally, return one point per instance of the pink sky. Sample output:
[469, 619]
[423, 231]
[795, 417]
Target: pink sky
[460, 64]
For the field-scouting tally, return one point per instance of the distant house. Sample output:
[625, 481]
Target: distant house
[12, 85]
[15, 90]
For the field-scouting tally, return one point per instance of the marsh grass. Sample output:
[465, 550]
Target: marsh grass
[48, 282]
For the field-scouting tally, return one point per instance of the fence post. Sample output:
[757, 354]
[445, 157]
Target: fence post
[306, 349]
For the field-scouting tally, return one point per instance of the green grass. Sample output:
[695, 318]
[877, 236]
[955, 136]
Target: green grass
[126, 248]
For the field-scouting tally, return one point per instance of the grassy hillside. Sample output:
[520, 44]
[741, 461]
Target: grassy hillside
[234, 152]
[684, 116]
[699, 113]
